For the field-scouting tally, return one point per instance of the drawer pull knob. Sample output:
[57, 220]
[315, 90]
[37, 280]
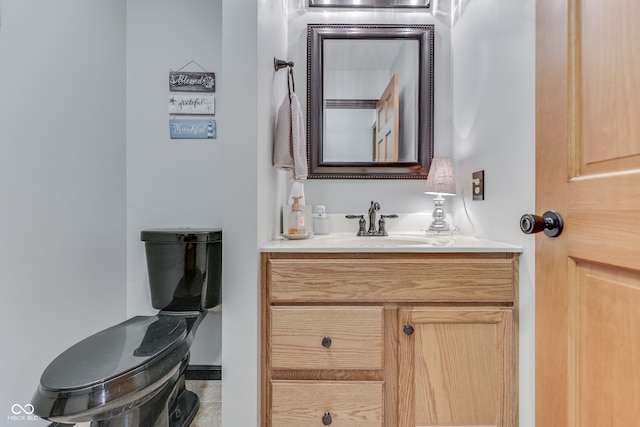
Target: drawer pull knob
[326, 343]
[408, 329]
[326, 419]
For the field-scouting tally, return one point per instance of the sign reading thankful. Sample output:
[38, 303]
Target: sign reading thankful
[192, 81]
[192, 128]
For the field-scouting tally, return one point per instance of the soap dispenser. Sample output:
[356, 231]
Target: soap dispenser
[296, 217]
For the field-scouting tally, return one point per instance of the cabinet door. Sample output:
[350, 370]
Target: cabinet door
[456, 367]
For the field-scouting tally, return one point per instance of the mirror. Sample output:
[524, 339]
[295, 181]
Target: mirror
[370, 100]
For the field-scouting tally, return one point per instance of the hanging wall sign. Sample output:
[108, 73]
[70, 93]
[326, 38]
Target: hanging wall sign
[191, 104]
[192, 128]
[192, 82]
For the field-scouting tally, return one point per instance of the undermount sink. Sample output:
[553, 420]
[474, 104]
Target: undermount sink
[388, 241]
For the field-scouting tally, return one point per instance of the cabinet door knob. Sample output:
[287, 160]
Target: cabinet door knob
[326, 419]
[408, 329]
[326, 342]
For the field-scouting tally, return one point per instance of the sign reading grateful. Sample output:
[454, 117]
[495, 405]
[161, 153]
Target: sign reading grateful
[191, 103]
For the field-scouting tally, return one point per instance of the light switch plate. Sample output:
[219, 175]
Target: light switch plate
[477, 185]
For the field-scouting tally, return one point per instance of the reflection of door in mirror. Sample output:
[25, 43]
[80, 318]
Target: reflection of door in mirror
[387, 119]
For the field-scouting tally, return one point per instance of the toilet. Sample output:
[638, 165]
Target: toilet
[133, 373]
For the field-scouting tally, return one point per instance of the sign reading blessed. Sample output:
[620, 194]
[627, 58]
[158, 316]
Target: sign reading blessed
[192, 81]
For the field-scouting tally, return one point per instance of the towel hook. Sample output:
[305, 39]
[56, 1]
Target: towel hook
[280, 63]
[292, 88]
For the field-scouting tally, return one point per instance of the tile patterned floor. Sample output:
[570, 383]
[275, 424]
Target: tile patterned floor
[210, 394]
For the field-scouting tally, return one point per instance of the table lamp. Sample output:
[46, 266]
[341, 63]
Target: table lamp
[441, 182]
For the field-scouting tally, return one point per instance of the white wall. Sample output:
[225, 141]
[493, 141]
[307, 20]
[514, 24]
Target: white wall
[85, 181]
[252, 34]
[171, 183]
[493, 51]
[62, 183]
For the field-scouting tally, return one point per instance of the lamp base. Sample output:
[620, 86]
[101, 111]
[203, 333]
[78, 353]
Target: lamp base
[439, 223]
[439, 226]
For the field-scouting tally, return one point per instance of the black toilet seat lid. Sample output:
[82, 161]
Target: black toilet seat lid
[114, 351]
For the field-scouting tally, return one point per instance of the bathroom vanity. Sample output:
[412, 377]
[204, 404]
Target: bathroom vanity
[409, 331]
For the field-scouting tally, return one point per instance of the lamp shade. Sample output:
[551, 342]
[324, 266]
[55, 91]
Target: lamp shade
[441, 179]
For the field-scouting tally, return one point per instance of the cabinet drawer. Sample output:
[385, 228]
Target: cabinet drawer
[353, 337]
[346, 403]
[479, 278]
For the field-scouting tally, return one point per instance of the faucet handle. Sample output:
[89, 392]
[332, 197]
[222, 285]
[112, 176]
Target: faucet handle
[362, 223]
[382, 231]
[352, 216]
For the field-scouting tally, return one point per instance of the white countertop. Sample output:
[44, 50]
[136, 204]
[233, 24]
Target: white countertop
[395, 242]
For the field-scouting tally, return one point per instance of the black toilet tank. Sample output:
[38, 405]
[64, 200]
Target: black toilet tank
[185, 267]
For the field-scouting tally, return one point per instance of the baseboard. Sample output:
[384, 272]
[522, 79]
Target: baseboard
[203, 372]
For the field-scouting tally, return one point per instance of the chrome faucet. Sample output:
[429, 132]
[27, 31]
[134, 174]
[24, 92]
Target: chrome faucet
[362, 223]
[375, 206]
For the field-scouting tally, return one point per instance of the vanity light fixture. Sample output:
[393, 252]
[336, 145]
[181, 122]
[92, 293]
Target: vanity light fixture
[417, 4]
[441, 182]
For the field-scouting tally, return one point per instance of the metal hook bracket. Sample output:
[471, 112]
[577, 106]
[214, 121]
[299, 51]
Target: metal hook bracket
[280, 63]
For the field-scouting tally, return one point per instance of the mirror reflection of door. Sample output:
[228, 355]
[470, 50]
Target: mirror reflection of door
[387, 120]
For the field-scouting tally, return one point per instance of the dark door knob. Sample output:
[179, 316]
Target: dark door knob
[551, 223]
[326, 419]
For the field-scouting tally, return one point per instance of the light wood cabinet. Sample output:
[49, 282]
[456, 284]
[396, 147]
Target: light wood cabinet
[389, 339]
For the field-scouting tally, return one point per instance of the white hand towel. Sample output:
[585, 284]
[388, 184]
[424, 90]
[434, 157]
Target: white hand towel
[290, 148]
[282, 152]
[298, 140]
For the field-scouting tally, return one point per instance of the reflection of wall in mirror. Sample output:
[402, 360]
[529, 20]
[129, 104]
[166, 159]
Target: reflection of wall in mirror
[348, 132]
[351, 132]
[407, 66]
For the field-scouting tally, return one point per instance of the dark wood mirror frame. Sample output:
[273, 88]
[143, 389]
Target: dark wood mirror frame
[318, 169]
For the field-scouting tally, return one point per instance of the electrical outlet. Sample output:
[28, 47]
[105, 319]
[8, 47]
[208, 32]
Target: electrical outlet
[477, 185]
